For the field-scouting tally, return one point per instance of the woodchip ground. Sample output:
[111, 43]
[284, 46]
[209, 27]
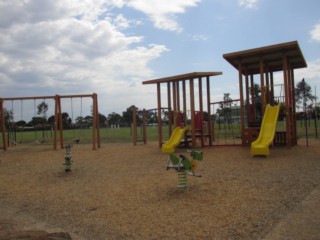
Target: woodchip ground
[125, 192]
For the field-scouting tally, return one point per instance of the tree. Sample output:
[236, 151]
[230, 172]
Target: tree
[127, 116]
[257, 101]
[8, 117]
[152, 116]
[225, 107]
[65, 119]
[102, 120]
[51, 120]
[114, 119]
[303, 94]
[21, 123]
[42, 109]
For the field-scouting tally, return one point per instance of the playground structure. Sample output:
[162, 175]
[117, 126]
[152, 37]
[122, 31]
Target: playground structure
[178, 104]
[264, 62]
[143, 125]
[184, 166]
[57, 126]
[142, 117]
[175, 139]
[226, 123]
[267, 131]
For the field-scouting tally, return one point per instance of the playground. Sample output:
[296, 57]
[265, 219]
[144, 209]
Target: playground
[257, 181]
[125, 192]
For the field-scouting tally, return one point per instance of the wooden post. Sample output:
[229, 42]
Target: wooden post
[95, 97]
[263, 90]
[192, 108]
[55, 124]
[159, 115]
[272, 89]
[209, 111]
[169, 107]
[144, 125]
[241, 102]
[294, 123]
[201, 110]
[247, 92]
[252, 98]
[287, 107]
[184, 100]
[178, 95]
[267, 91]
[60, 123]
[95, 121]
[134, 125]
[3, 127]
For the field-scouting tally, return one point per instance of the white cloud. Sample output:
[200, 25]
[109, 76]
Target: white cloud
[312, 72]
[315, 32]
[199, 37]
[248, 3]
[58, 47]
[163, 13]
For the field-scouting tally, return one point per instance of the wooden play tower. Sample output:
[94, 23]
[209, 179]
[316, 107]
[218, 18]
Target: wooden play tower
[182, 97]
[264, 62]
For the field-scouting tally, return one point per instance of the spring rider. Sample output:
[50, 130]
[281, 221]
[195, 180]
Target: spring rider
[68, 158]
[184, 166]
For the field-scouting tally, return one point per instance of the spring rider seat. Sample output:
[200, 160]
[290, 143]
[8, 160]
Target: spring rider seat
[184, 166]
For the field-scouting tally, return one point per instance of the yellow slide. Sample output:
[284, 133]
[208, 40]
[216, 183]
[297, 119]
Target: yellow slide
[267, 131]
[175, 139]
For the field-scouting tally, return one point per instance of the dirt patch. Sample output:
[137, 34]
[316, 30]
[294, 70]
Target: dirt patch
[124, 192]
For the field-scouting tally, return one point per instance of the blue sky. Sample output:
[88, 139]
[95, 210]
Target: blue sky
[111, 46]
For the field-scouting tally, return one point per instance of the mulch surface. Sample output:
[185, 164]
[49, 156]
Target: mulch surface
[125, 192]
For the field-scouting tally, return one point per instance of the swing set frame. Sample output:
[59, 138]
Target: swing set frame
[58, 126]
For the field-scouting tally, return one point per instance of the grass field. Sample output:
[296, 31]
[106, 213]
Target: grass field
[124, 135]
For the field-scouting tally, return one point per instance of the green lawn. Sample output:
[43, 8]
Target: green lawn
[124, 135]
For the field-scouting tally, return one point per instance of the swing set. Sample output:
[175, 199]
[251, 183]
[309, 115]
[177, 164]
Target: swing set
[57, 124]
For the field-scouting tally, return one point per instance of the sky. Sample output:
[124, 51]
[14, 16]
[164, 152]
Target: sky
[110, 47]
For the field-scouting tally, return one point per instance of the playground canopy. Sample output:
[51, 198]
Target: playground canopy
[264, 61]
[174, 98]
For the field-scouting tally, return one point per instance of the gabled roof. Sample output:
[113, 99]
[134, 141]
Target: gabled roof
[272, 57]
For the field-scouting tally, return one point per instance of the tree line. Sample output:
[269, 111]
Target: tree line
[304, 99]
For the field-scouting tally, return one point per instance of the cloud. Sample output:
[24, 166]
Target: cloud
[315, 32]
[163, 13]
[199, 37]
[248, 3]
[58, 47]
[311, 73]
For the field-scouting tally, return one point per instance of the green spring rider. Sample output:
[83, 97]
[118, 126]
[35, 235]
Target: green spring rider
[184, 166]
[68, 158]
